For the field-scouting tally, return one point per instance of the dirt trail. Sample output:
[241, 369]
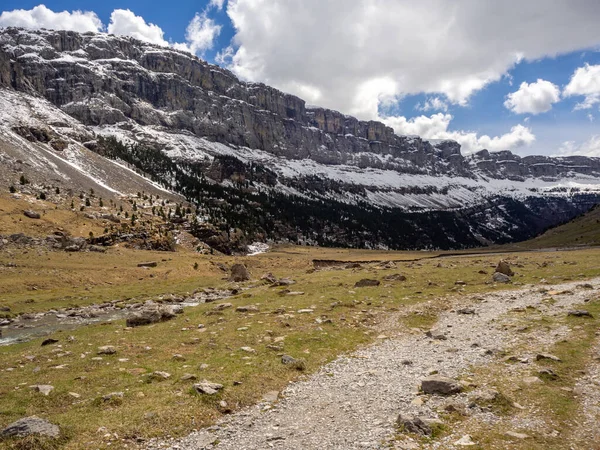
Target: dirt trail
[353, 402]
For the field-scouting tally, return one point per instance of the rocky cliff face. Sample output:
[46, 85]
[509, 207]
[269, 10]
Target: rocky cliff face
[197, 113]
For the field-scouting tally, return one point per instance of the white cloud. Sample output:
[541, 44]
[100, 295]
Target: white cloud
[432, 104]
[123, 22]
[42, 17]
[436, 127]
[217, 4]
[591, 147]
[201, 33]
[435, 47]
[534, 98]
[585, 81]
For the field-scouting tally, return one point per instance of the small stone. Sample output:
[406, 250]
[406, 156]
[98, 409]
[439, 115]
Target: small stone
[440, 385]
[188, 377]
[542, 356]
[271, 396]
[306, 311]
[207, 387]
[107, 350]
[31, 214]
[365, 282]
[245, 309]
[42, 388]
[222, 306]
[413, 424]
[516, 435]
[159, 376]
[178, 357]
[74, 394]
[49, 341]
[247, 349]
[465, 441]
[298, 364]
[548, 374]
[579, 313]
[465, 311]
[113, 396]
[148, 264]
[531, 380]
[500, 278]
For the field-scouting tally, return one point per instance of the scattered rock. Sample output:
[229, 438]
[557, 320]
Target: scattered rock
[208, 388]
[395, 277]
[365, 282]
[248, 308]
[113, 396]
[159, 376]
[516, 435]
[548, 374]
[465, 441]
[460, 283]
[437, 384]
[503, 267]
[148, 264]
[31, 214]
[239, 273]
[579, 313]
[149, 316]
[501, 278]
[107, 350]
[298, 364]
[269, 278]
[413, 424]
[437, 335]
[42, 388]
[30, 425]
[542, 356]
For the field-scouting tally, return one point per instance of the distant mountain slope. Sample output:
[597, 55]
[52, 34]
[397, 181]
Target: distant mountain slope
[258, 162]
[583, 230]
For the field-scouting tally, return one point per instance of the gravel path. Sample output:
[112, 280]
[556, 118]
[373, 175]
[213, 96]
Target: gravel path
[353, 402]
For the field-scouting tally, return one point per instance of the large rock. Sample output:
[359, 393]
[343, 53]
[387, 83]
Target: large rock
[207, 387]
[239, 273]
[31, 425]
[149, 316]
[504, 267]
[437, 384]
[500, 278]
[365, 282]
[413, 424]
[31, 214]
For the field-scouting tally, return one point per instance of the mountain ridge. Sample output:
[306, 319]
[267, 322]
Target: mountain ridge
[263, 152]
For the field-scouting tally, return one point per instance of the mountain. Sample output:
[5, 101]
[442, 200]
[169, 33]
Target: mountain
[261, 162]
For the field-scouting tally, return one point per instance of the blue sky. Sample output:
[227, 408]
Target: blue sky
[387, 59]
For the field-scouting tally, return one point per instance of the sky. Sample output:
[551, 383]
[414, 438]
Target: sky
[502, 75]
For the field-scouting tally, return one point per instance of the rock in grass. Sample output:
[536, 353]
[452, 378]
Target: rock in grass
[159, 376]
[290, 361]
[148, 264]
[239, 273]
[542, 356]
[437, 384]
[149, 316]
[42, 388]
[31, 214]
[113, 396]
[413, 424]
[501, 278]
[49, 341]
[247, 308]
[207, 387]
[465, 441]
[30, 425]
[516, 435]
[579, 313]
[107, 350]
[503, 267]
[395, 277]
[366, 282]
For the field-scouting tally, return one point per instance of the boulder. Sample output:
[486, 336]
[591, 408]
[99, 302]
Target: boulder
[107, 350]
[207, 387]
[149, 316]
[239, 273]
[437, 384]
[31, 214]
[412, 424]
[504, 268]
[365, 282]
[30, 425]
[500, 278]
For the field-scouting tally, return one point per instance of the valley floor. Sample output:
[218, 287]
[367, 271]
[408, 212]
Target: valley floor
[239, 343]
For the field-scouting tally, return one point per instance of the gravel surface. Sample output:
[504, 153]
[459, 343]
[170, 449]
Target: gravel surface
[353, 402]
